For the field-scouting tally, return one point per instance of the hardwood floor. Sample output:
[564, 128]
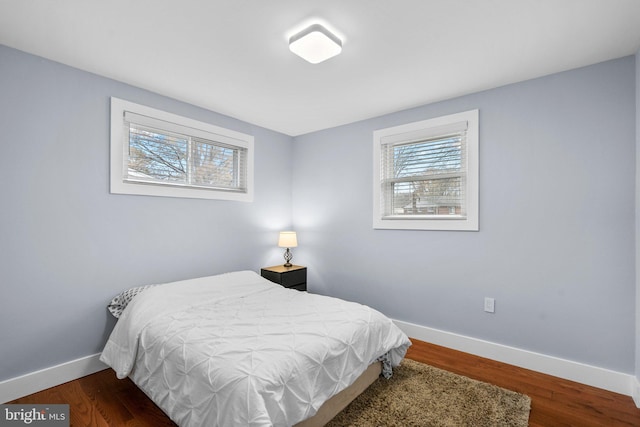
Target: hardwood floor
[102, 400]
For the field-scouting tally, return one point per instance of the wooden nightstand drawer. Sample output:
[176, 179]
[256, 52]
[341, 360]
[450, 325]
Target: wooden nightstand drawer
[294, 277]
[300, 287]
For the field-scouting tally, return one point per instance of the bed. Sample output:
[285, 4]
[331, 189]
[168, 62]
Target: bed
[236, 349]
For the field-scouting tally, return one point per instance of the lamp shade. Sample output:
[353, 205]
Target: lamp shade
[288, 239]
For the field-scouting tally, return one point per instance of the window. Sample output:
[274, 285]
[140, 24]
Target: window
[426, 174]
[157, 153]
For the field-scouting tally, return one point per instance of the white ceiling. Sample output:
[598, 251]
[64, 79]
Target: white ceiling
[232, 57]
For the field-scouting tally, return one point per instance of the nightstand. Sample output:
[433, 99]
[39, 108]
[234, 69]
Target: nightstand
[294, 277]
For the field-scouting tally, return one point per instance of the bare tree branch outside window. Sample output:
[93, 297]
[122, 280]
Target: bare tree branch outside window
[161, 156]
[427, 177]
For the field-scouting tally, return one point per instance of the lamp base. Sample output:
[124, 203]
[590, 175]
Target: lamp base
[287, 258]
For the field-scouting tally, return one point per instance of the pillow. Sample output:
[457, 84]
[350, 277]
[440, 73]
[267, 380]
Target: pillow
[120, 301]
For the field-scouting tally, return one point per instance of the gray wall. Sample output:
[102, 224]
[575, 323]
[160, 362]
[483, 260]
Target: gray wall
[67, 245]
[556, 243]
[637, 58]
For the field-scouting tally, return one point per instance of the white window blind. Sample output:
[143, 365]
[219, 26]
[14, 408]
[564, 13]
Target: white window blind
[168, 155]
[426, 174]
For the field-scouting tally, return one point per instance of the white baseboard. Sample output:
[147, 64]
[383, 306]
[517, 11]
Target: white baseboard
[636, 392]
[617, 382]
[24, 385]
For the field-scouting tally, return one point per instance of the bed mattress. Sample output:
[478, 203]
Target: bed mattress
[236, 349]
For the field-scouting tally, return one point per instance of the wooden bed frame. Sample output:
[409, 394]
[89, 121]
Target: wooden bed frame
[337, 403]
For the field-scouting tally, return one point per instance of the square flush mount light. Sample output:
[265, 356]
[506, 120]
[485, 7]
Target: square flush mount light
[315, 44]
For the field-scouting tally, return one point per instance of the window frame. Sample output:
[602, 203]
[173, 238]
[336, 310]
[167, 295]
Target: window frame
[409, 132]
[120, 137]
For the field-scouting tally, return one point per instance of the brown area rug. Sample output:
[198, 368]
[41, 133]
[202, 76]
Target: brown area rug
[421, 395]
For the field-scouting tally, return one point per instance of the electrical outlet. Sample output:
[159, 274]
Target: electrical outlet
[489, 305]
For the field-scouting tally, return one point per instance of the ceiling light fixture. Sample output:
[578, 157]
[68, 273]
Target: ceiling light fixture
[315, 44]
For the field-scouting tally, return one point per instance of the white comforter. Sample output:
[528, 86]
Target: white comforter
[238, 350]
